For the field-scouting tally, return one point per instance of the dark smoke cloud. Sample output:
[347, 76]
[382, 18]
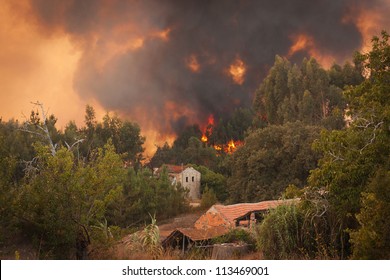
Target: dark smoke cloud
[140, 82]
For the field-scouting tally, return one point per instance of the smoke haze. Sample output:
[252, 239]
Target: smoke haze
[166, 64]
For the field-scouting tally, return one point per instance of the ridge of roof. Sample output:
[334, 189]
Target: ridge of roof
[234, 211]
[172, 168]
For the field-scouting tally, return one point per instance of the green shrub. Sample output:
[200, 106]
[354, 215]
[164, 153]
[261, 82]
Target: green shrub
[209, 198]
[235, 236]
[279, 236]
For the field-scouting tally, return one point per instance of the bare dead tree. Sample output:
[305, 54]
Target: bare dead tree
[70, 147]
[38, 126]
[42, 130]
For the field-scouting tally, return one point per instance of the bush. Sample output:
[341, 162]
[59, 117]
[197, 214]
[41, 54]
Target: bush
[279, 235]
[236, 236]
[209, 198]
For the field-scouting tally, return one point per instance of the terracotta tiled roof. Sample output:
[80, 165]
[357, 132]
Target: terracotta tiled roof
[173, 168]
[234, 211]
[198, 234]
[220, 219]
[212, 219]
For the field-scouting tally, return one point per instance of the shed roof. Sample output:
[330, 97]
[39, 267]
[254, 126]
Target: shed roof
[195, 234]
[220, 219]
[234, 211]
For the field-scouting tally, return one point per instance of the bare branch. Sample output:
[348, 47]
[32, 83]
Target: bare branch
[336, 157]
[372, 138]
[30, 167]
[24, 129]
[45, 134]
[317, 198]
[74, 144]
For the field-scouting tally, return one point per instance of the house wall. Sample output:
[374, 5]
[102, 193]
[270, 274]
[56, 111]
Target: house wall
[190, 180]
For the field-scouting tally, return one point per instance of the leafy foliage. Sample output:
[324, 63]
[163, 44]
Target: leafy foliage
[208, 198]
[144, 193]
[213, 181]
[236, 236]
[271, 159]
[124, 135]
[371, 240]
[63, 198]
[308, 93]
[280, 234]
[352, 156]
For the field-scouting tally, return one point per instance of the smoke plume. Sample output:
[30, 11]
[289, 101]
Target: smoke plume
[166, 64]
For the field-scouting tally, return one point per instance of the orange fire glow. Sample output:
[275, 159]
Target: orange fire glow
[232, 146]
[162, 34]
[211, 120]
[306, 42]
[228, 148]
[174, 111]
[193, 64]
[218, 147]
[369, 23]
[237, 71]
[207, 130]
[121, 43]
[301, 42]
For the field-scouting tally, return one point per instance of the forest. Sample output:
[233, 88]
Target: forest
[320, 135]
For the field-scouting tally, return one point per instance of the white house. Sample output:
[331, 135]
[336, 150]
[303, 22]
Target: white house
[187, 176]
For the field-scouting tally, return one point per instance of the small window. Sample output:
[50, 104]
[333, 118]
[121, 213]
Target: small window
[187, 179]
[193, 178]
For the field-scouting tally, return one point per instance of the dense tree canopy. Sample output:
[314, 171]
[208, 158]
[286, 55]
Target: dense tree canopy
[271, 159]
[307, 93]
[57, 188]
[354, 157]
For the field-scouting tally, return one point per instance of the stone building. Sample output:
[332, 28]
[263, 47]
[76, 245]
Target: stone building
[187, 176]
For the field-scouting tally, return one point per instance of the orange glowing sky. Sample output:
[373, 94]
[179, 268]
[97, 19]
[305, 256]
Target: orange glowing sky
[36, 65]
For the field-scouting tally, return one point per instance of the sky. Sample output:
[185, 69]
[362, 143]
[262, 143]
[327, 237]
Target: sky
[166, 64]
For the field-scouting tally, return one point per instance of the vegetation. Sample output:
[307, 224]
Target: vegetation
[215, 182]
[188, 148]
[355, 157]
[307, 93]
[347, 194]
[236, 236]
[271, 159]
[77, 187]
[280, 235]
[209, 198]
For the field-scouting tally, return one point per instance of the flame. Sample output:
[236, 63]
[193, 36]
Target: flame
[232, 146]
[237, 71]
[218, 147]
[228, 148]
[305, 42]
[208, 129]
[211, 120]
[368, 22]
[193, 64]
[301, 42]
